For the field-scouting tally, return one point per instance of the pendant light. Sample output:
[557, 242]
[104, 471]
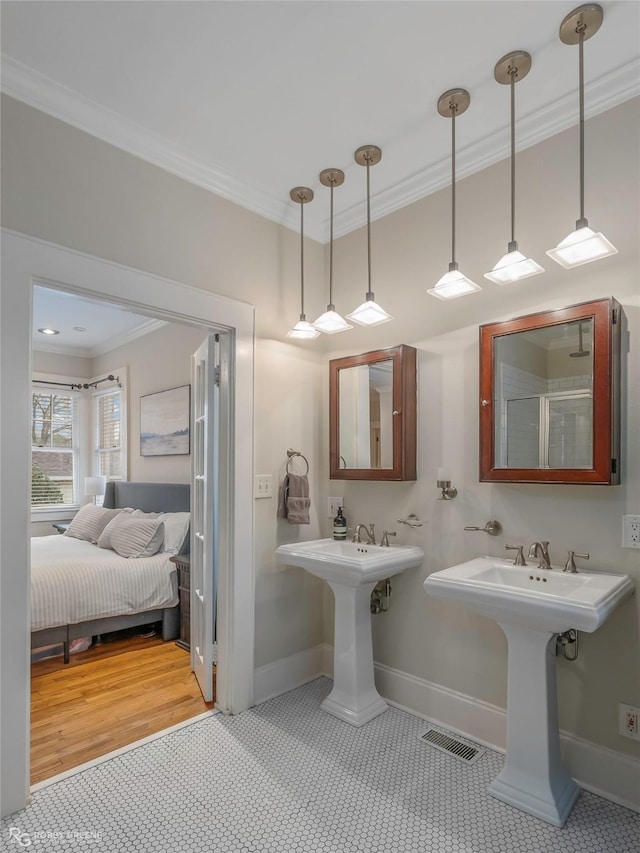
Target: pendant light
[369, 313]
[302, 329]
[514, 265]
[331, 322]
[453, 283]
[583, 245]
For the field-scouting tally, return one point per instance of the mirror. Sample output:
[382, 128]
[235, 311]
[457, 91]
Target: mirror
[549, 395]
[373, 415]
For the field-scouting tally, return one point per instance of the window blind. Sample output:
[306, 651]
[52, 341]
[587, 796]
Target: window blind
[53, 449]
[108, 434]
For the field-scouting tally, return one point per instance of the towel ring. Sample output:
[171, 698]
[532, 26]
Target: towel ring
[291, 454]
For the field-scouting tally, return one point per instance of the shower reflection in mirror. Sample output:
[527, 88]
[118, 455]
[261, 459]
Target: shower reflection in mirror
[544, 397]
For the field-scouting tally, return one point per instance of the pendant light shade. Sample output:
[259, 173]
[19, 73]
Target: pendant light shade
[453, 283]
[582, 245]
[302, 329]
[369, 313]
[331, 322]
[513, 266]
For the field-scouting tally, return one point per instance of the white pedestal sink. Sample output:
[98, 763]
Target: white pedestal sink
[532, 606]
[352, 570]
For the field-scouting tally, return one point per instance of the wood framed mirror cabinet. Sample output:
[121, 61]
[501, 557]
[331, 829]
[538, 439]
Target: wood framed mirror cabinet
[550, 396]
[372, 415]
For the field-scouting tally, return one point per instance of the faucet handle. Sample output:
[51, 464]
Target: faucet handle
[372, 534]
[385, 537]
[519, 558]
[570, 565]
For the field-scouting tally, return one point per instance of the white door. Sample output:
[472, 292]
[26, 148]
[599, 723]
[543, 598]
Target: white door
[204, 511]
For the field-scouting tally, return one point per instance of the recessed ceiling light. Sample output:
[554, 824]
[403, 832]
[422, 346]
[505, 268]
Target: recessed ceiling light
[49, 331]
[79, 328]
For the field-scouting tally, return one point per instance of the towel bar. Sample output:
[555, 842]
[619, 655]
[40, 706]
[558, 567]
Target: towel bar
[293, 453]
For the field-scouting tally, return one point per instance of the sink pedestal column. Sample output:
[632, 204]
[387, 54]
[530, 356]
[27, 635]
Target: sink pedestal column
[354, 697]
[534, 778]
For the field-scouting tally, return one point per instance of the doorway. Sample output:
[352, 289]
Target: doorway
[73, 721]
[26, 262]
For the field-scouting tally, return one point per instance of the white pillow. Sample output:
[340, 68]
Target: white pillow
[135, 537]
[176, 526]
[89, 522]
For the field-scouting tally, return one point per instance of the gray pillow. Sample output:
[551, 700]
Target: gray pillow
[133, 537]
[89, 522]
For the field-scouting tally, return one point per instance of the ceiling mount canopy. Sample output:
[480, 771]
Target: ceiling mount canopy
[513, 266]
[582, 245]
[369, 313]
[302, 329]
[331, 322]
[452, 103]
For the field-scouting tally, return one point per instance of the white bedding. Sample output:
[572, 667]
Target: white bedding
[73, 581]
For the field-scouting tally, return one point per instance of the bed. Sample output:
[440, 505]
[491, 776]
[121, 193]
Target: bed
[80, 590]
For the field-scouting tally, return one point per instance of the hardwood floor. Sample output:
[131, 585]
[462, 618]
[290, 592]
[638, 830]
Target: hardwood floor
[106, 698]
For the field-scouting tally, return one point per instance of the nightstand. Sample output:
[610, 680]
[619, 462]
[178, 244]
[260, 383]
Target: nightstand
[183, 564]
[61, 526]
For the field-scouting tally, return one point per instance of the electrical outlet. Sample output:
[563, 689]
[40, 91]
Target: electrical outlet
[263, 486]
[629, 721]
[631, 531]
[332, 507]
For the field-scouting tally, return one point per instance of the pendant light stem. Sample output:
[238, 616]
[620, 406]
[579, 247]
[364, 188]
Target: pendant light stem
[513, 155]
[302, 261]
[582, 220]
[368, 231]
[331, 252]
[453, 184]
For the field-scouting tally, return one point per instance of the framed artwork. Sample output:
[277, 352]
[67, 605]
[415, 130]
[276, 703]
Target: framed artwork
[164, 422]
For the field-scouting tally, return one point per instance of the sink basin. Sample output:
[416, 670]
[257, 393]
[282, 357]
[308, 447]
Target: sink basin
[533, 606]
[350, 563]
[352, 570]
[547, 600]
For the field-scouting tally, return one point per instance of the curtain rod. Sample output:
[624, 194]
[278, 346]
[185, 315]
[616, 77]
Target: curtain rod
[80, 385]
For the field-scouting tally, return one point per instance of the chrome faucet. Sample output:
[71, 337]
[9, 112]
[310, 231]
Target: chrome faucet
[519, 558]
[369, 530]
[541, 551]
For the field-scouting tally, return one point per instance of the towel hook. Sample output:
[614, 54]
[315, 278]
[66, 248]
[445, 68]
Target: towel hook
[291, 454]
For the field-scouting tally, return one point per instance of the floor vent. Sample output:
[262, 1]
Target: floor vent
[460, 749]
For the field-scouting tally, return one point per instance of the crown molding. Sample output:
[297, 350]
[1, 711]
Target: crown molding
[127, 337]
[107, 346]
[600, 95]
[39, 91]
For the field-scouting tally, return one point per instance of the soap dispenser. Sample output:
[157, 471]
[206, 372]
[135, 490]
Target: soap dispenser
[340, 526]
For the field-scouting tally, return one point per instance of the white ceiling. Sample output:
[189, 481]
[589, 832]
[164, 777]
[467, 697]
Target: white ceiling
[250, 99]
[87, 328]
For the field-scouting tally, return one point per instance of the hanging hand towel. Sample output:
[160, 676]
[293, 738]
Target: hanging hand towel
[294, 502]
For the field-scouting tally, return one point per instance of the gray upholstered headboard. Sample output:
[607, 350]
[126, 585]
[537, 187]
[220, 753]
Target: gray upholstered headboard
[149, 497]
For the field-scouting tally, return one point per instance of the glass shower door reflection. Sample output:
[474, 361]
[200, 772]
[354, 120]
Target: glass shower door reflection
[570, 428]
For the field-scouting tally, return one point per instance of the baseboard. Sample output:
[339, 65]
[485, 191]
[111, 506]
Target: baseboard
[285, 674]
[602, 771]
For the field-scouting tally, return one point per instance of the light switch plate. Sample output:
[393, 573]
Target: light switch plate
[332, 507]
[263, 486]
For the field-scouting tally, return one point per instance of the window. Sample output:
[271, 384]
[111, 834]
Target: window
[109, 431]
[54, 450]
